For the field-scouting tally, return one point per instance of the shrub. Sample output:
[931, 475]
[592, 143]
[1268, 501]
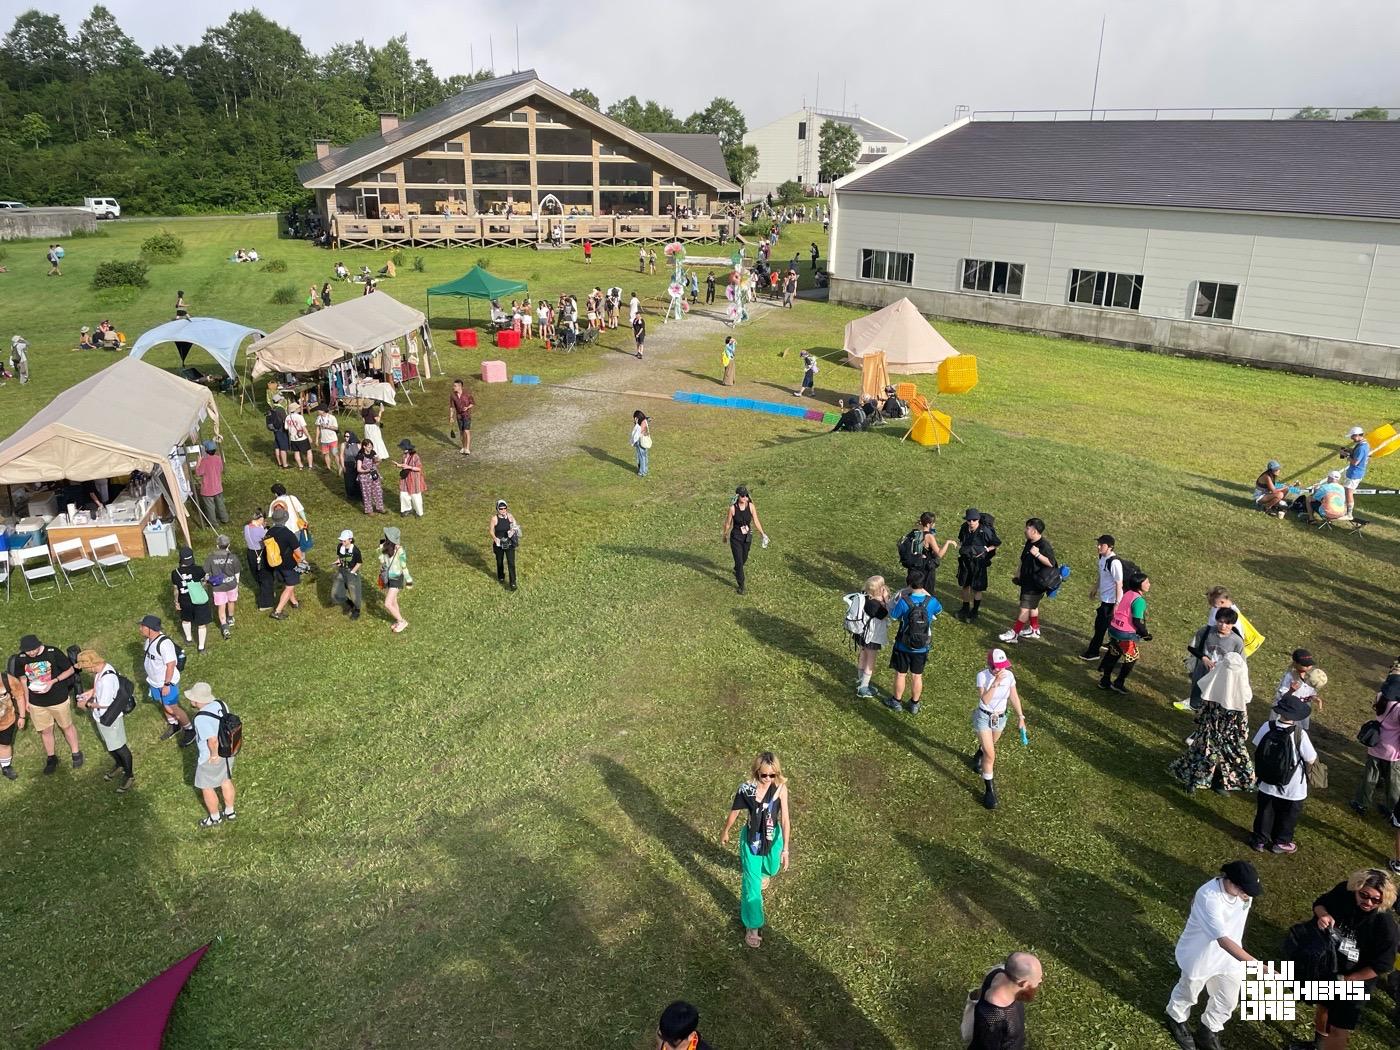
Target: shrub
[3, 255]
[484, 261]
[163, 247]
[762, 228]
[420, 264]
[789, 192]
[286, 295]
[115, 274]
[535, 277]
[398, 258]
[274, 266]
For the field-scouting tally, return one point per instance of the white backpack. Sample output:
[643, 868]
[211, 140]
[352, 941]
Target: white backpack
[856, 620]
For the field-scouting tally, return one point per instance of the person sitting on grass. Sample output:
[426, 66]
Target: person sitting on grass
[852, 418]
[1269, 493]
[85, 339]
[387, 270]
[1329, 499]
[341, 273]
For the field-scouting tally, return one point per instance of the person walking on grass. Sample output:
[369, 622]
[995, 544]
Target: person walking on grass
[977, 546]
[651, 260]
[221, 574]
[299, 438]
[639, 334]
[393, 571]
[1037, 576]
[1109, 591]
[809, 375]
[816, 254]
[213, 774]
[41, 681]
[641, 260]
[110, 724]
[731, 348]
[55, 262]
[328, 438]
[160, 662]
[412, 483]
[1383, 756]
[1211, 645]
[1217, 752]
[209, 472]
[462, 404]
[347, 586]
[679, 1028]
[999, 1015]
[867, 620]
[765, 841]
[253, 534]
[187, 583]
[915, 610]
[371, 483]
[504, 533]
[641, 441]
[280, 550]
[1127, 629]
[740, 523]
[709, 287]
[9, 726]
[1211, 955]
[1283, 752]
[996, 688]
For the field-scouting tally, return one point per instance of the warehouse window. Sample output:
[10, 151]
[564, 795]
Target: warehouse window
[887, 266]
[1122, 291]
[801, 130]
[1215, 301]
[995, 278]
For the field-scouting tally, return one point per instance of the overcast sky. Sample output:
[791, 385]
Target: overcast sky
[904, 65]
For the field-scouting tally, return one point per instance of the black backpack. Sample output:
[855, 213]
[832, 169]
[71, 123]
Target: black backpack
[1312, 951]
[179, 651]
[230, 731]
[1130, 569]
[125, 701]
[911, 550]
[916, 631]
[1277, 756]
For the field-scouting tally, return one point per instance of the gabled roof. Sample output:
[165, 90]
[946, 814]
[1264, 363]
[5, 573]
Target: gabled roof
[1305, 167]
[868, 130]
[704, 150]
[476, 103]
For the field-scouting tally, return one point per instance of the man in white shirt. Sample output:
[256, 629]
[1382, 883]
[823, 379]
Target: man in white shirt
[634, 307]
[110, 728]
[1211, 955]
[1109, 590]
[162, 667]
[1279, 801]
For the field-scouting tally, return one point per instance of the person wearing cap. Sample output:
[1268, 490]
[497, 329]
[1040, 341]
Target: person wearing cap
[187, 583]
[1278, 805]
[221, 571]
[110, 725]
[1382, 757]
[213, 776]
[284, 573]
[1358, 457]
[41, 682]
[209, 472]
[1212, 956]
[504, 532]
[740, 522]
[160, 661]
[996, 687]
[679, 1028]
[1269, 492]
[1302, 679]
[1037, 576]
[1217, 752]
[462, 404]
[347, 587]
[977, 546]
[394, 575]
[1359, 914]
[1127, 630]
[1109, 591]
[412, 483]
[1330, 499]
[253, 535]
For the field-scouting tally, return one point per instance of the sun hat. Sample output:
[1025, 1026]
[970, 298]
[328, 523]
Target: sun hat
[997, 661]
[28, 642]
[89, 660]
[392, 534]
[209, 446]
[1292, 709]
[346, 534]
[200, 693]
[150, 621]
[742, 490]
[1315, 677]
[279, 515]
[406, 445]
[1355, 432]
[1243, 875]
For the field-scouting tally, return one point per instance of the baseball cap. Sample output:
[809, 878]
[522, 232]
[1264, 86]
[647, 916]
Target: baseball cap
[209, 446]
[972, 514]
[742, 490]
[996, 659]
[346, 534]
[1356, 432]
[150, 622]
[1243, 875]
[28, 642]
[501, 503]
[1106, 540]
[1334, 475]
[1302, 658]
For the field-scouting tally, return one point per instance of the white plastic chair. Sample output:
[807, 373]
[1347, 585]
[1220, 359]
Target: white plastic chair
[72, 559]
[5, 570]
[109, 561]
[21, 559]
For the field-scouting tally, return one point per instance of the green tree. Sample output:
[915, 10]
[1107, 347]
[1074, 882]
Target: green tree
[1370, 113]
[1312, 113]
[838, 149]
[36, 51]
[721, 117]
[586, 97]
[101, 44]
[742, 162]
[34, 128]
[646, 117]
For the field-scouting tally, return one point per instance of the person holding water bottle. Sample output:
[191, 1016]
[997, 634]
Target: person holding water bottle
[996, 687]
[739, 526]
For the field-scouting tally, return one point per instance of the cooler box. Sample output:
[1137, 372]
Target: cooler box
[507, 339]
[493, 372]
[466, 337]
[160, 540]
[957, 375]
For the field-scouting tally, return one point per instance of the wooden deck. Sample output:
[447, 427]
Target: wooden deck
[479, 231]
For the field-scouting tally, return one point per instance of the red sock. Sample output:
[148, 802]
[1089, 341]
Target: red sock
[1017, 626]
[1035, 621]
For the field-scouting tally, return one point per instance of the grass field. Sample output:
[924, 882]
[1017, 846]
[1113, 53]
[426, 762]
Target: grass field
[501, 827]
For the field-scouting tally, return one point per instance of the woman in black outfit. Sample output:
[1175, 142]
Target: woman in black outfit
[977, 546]
[739, 526]
[504, 531]
[349, 453]
[195, 616]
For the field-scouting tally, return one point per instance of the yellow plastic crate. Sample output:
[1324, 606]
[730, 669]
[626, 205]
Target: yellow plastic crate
[957, 375]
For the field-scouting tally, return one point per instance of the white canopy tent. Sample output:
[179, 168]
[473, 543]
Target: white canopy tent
[221, 339]
[909, 342]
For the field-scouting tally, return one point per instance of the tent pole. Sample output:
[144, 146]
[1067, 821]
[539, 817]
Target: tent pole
[233, 434]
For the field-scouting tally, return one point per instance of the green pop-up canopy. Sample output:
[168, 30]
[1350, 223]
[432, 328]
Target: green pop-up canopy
[477, 283]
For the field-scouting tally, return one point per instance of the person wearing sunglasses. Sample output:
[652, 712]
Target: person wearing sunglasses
[1358, 911]
[764, 844]
[678, 1028]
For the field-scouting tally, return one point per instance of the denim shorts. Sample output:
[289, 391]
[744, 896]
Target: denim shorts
[982, 720]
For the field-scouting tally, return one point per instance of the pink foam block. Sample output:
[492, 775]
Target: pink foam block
[494, 372]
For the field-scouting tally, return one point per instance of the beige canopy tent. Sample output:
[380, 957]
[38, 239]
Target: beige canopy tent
[317, 340]
[131, 416]
[909, 342]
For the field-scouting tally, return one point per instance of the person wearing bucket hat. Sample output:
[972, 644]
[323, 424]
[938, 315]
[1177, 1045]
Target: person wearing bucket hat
[412, 483]
[209, 472]
[110, 724]
[347, 587]
[41, 681]
[188, 584]
[1211, 955]
[1269, 491]
[977, 546]
[504, 532]
[221, 571]
[1358, 457]
[213, 775]
[996, 687]
[393, 574]
[1283, 751]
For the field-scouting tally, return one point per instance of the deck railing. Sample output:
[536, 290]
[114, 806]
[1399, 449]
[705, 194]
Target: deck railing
[425, 230]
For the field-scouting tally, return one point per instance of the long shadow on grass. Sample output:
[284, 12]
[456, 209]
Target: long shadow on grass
[607, 457]
[469, 555]
[693, 562]
[782, 976]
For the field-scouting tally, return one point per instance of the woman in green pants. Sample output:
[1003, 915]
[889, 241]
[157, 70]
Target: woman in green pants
[763, 846]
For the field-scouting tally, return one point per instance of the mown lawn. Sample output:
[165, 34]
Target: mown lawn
[501, 827]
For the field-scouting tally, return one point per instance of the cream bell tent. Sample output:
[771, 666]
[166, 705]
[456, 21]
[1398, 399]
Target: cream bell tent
[909, 342]
[315, 341]
[131, 416]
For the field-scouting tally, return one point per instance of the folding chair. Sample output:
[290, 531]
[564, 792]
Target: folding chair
[109, 561]
[5, 569]
[1348, 525]
[21, 559]
[72, 559]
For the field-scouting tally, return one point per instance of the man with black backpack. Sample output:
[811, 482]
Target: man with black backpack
[1109, 591]
[220, 735]
[977, 546]
[161, 659]
[111, 698]
[920, 553]
[915, 612]
[1037, 576]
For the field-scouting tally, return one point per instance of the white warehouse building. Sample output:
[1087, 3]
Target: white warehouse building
[1274, 243]
[787, 148]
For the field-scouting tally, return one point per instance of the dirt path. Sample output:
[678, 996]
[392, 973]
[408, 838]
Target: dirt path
[555, 426]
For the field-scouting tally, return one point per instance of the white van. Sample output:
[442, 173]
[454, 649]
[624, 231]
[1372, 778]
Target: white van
[102, 207]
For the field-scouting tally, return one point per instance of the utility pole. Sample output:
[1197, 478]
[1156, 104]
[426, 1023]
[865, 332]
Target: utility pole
[1094, 98]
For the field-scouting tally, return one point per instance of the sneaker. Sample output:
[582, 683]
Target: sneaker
[1119, 687]
[187, 737]
[111, 774]
[1026, 631]
[1009, 637]
[9, 772]
[354, 614]
[1031, 635]
[127, 785]
[1285, 847]
[1184, 705]
[973, 615]
[1086, 655]
[914, 707]
[224, 632]
[893, 704]
[1105, 684]
[963, 614]
[1258, 847]
[989, 796]
[77, 760]
[170, 730]
[211, 822]
[1357, 808]
[230, 620]
[1181, 1034]
[277, 615]
[230, 815]
[865, 692]
[1393, 865]
[50, 764]
[1206, 1039]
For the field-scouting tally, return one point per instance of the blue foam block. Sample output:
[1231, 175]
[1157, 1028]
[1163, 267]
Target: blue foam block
[525, 380]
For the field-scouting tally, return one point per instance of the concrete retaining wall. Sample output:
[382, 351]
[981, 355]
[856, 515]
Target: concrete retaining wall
[1335, 358]
[42, 223]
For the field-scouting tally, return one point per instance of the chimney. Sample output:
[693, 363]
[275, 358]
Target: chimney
[388, 122]
[323, 148]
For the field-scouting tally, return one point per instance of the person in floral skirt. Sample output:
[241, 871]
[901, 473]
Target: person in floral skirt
[1217, 753]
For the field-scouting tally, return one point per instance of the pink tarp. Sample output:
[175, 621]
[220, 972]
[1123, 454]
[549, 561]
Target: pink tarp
[136, 1022]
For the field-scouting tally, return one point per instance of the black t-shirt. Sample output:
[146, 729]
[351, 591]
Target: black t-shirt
[764, 814]
[351, 559]
[851, 419]
[277, 420]
[973, 543]
[1032, 569]
[1368, 939]
[286, 541]
[997, 1027]
[42, 671]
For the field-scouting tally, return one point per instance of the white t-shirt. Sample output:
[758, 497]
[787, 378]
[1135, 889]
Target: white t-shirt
[296, 426]
[329, 428]
[1110, 575]
[156, 653]
[104, 690]
[998, 698]
[1297, 787]
[633, 305]
[1210, 617]
[1214, 914]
